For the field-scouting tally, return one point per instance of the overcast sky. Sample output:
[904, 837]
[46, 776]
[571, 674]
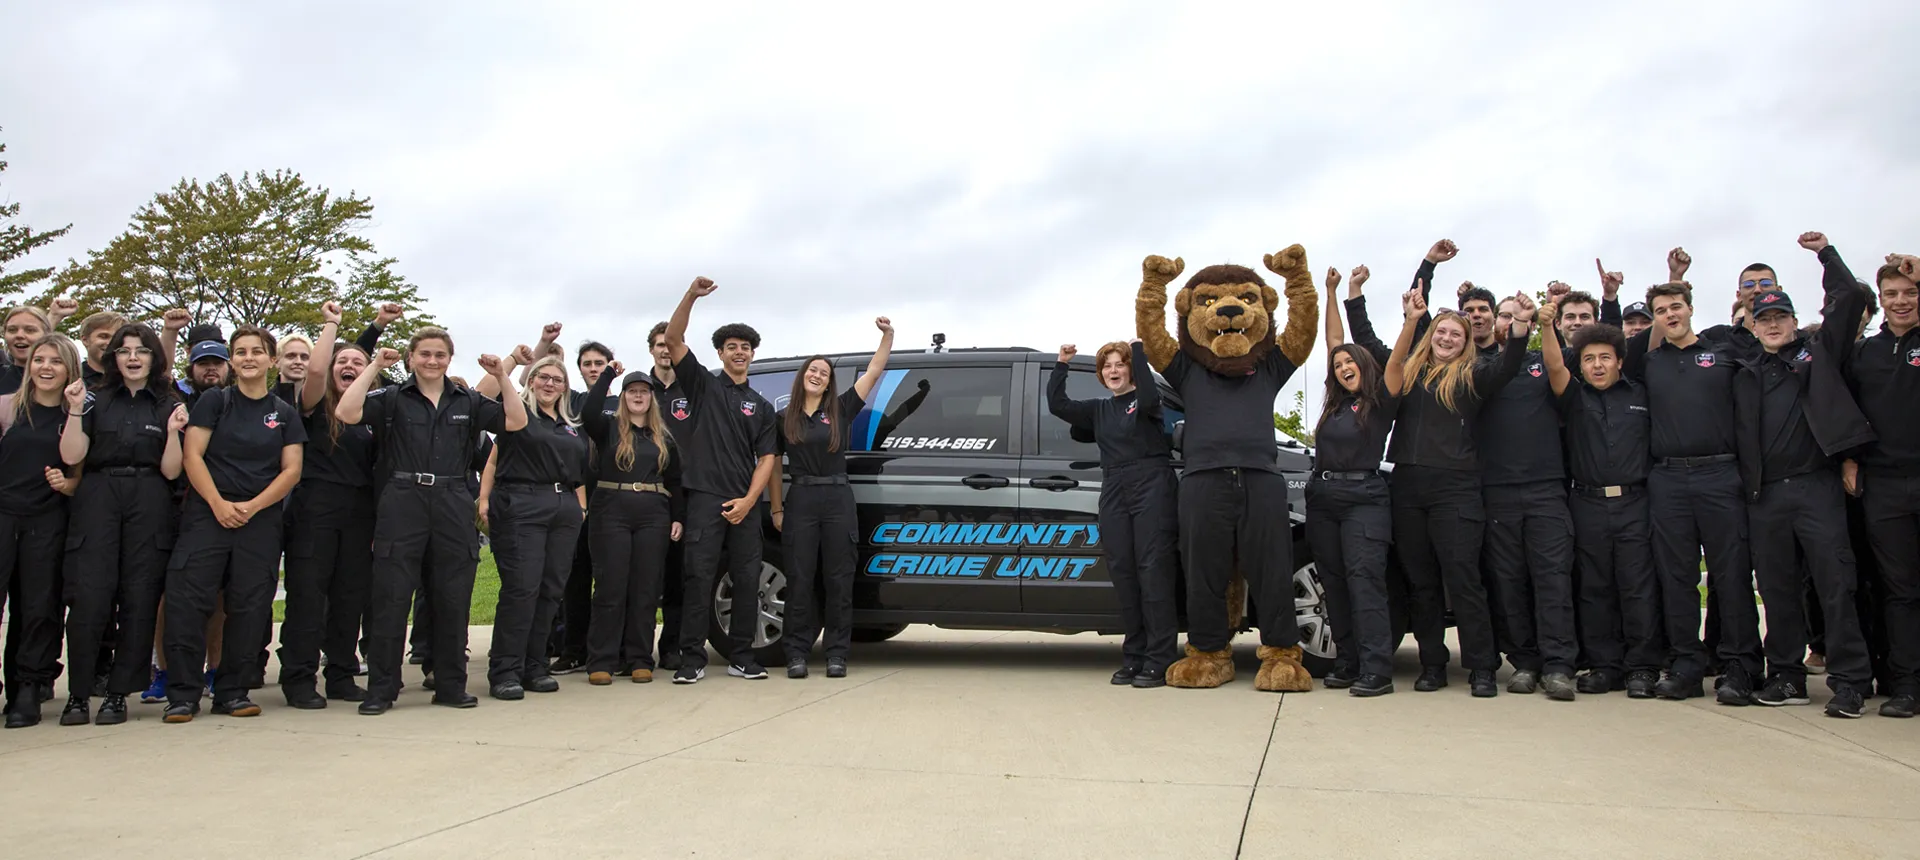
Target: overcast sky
[994, 173]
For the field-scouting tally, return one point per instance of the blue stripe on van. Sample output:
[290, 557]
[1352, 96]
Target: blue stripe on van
[877, 406]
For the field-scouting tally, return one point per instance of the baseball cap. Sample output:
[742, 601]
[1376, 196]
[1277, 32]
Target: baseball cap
[1774, 300]
[208, 349]
[1639, 308]
[634, 376]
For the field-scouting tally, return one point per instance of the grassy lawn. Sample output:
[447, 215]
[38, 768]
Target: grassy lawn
[486, 592]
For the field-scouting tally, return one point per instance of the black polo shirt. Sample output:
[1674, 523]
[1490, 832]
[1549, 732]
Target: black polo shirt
[1230, 419]
[1341, 444]
[1787, 444]
[609, 404]
[1519, 428]
[675, 409]
[809, 458]
[546, 451]
[1885, 377]
[1608, 433]
[733, 427]
[1430, 434]
[87, 374]
[243, 454]
[415, 436]
[11, 376]
[347, 461]
[1690, 391]
[125, 428]
[31, 445]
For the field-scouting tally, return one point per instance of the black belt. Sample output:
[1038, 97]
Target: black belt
[1346, 476]
[427, 479]
[1685, 462]
[127, 471]
[1612, 492]
[818, 481]
[522, 482]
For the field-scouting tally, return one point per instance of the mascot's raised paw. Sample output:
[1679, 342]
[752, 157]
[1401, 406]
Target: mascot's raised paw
[1280, 671]
[1160, 270]
[1291, 260]
[1202, 668]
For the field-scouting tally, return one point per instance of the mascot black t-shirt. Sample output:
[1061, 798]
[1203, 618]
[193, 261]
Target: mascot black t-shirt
[1230, 419]
[243, 456]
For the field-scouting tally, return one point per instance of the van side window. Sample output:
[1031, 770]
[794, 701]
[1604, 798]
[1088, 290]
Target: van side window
[1055, 439]
[937, 410]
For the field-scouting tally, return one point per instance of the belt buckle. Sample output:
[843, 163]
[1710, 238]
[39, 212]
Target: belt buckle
[428, 476]
[558, 487]
[1614, 492]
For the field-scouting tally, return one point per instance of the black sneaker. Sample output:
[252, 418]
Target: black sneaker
[540, 684]
[1482, 683]
[239, 706]
[181, 712]
[1678, 688]
[1733, 688]
[1901, 706]
[1125, 675]
[836, 667]
[350, 693]
[689, 675]
[1524, 682]
[1846, 703]
[1431, 678]
[1599, 681]
[1340, 677]
[1640, 684]
[507, 691]
[113, 711]
[374, 707]
[670, 660]
[303, 698]
[566, 665]
[76, 712]
[748, 669]
[797, 667]
[1147, 678]
[1371, 685]
[1559, 686]
[1782, 691]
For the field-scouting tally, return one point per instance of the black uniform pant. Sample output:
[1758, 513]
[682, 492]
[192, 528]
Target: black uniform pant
[329, 576]
[534, 529]
[712, 541]
[1620, 609]
[1439, 521]
[30, 551]
[576, 610]
[672, 595]
[1528, 554]
[1349, 529]
[1890, 501]
[211, 559]
[820, 533]
[1232, 517]
[424, 540]
[120, 531]
[1697, 507]
[1807, 510]
[630, 532]
[1871, 595]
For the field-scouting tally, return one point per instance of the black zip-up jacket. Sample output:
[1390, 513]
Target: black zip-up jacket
[1884, 377]
[1127, 428]
[1428, 434]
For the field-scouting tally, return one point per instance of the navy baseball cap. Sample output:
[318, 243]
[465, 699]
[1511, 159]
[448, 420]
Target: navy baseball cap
[208, 349]
[1772, 300]
[1637, 308]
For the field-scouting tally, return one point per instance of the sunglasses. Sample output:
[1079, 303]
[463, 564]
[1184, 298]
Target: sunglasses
[1763, 282]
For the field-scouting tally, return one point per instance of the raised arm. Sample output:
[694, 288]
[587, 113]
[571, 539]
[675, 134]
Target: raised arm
[1488, 379]
[676, 333]
[170, 458]
[1078, 413]
[1845, 304]
[1550, 351]
[1416, 308]
[1296, 340]
[73, 437]
[522, 357]
[353, 401]
[1335, 335]
[876, 365]
[592, 414]
[1150, 309]
[516, 412]
[314, 389]
[1144, 385]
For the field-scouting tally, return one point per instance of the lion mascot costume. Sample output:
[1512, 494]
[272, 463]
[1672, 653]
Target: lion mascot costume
[1229, 365]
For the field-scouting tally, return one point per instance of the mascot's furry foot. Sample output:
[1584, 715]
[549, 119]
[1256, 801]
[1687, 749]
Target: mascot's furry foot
[1202, 668]
[1280, 671]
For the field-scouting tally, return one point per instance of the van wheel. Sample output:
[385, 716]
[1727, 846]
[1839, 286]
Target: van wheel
[1310, 607]
[878, 632]
[770, 613]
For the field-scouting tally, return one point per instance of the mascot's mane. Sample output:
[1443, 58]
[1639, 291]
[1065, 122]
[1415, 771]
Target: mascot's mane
[1225, 274]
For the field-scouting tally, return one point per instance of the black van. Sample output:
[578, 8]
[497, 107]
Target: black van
[978, 509]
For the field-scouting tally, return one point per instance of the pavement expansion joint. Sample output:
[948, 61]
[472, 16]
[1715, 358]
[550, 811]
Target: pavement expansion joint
[1254, 790]
[1589, 804]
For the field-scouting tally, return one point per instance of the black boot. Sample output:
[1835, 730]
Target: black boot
[113, 711]
[76, 713]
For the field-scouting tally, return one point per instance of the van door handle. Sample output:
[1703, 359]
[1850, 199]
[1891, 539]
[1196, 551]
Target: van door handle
[1055, 484]
[984, 482]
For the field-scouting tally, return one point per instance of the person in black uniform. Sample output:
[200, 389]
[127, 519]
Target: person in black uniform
[1884, 375]
[426, 430]
[1438, 511]
[815, 433]
[330, 531]
[1795, 415]
[1695, 493]
[731, 459]
[242, 455]
[634, 517]
[576, 612]
[24, 326]
[671, 396]
[1349, 513]
[1608, 424]
[34, 488]
[535, 504]
[1139, 503]
[126, 432]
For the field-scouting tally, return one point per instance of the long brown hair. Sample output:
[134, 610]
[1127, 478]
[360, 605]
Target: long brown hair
[794, 422]
[1371, 386]
[623, 453]
[332, 396]
[1448, 380]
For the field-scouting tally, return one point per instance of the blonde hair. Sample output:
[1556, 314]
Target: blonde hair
[565, 404]
[46, 322]
[69, 356]
[1446, 379]
[292, 339]
[623, 454]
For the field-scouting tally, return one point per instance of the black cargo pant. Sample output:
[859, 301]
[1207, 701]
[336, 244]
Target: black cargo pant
[576, 612]
[239, 567]
[1620, 610]
[1349, 529]
[820, 533]
[1808, 510]
[1890, 501]
[1694, 507]
[31, 548]
[424, 540]
[1528, 553]
[1439, 521]
[672, 596]
[1870, 597]
[1237, 516]
[329, 579]
[712, 541]
[534, 528]
[630, 531]
[120, 531]
[1139, 535]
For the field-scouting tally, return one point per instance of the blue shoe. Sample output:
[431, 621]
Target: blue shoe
[210, 674]
[157, 692]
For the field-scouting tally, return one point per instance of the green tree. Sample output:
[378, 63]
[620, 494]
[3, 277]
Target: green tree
[247, 250]
[1293, 422]
[16, 240]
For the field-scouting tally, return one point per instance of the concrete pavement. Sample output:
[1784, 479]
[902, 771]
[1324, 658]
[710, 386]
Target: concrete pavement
[958, 743]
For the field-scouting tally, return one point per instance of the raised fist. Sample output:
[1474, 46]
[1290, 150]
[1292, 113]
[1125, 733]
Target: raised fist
[1465, 288]
[491, 364]
[1908, 264]
[1609, 281]
[176, 319]
[1291, 261]
[883, 324]
[1558, 290]
[1414, 302]
[550, 333]
[522, 355]
[388, 357]
[63, 307]
[330, 312]
[1159, 271]
[1814, 242]
[1549, 312]
[76, 396]
[702, 286]
[388, 313]
[1356, 279]
[1067, 352]
[1677, 263]
[1523, 307]
[617, 369]
[1442, 251]
[178, 420]
[1333, 279]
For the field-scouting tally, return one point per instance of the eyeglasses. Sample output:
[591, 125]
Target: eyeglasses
[1763, 282]
[131, 351]
[550, 379]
